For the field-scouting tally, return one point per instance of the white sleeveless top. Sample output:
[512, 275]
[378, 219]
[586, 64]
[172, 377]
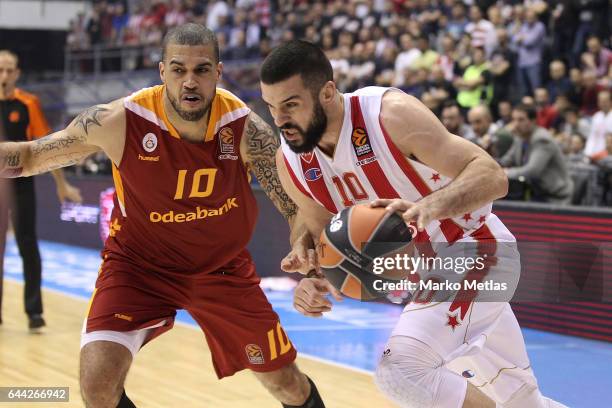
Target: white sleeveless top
[367, 165]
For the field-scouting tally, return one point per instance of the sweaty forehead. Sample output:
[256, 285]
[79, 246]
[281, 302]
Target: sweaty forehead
[281, 91]
[6, 61]
[190, 53]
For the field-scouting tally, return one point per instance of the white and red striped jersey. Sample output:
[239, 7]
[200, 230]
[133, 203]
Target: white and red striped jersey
[367, 165]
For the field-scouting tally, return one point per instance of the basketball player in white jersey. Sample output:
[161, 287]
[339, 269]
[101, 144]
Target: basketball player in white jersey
[382, 146]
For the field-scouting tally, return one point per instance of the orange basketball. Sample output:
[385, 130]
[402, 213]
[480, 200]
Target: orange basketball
[350, 243]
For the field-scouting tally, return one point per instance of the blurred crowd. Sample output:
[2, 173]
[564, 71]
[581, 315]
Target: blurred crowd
[472, 62]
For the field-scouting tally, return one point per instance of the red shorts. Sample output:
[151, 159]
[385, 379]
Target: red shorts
[240, 326]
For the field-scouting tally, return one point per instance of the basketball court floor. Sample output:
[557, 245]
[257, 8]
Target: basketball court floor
[339, 351]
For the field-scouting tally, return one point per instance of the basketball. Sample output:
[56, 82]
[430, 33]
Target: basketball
[352, 240]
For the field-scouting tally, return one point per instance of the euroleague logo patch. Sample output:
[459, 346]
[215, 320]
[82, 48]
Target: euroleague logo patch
[361, 145]
[149, 142]
[226, 144]
[254, 354]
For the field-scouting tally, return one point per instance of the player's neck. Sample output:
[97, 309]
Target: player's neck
[335, 118]
[194, 131]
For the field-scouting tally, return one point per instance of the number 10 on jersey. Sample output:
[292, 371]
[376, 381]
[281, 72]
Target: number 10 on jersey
[202, 183]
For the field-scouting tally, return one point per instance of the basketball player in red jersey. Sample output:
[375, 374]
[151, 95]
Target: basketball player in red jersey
[382, 145]
[184, 213]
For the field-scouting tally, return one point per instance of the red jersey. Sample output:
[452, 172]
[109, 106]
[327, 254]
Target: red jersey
[182, 207]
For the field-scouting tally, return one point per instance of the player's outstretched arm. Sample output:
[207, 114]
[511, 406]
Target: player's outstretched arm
[477, 178]
[258, 148]
[101, 127]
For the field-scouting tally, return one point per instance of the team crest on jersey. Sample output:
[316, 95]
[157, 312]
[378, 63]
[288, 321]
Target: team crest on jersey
[254, 354]
[226, 144]
[149, 142]
[307, 157]
[313, 174]
[361, 145]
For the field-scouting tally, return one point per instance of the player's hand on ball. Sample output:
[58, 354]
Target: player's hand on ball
[310, 296]
[302, 258]
[410, 212]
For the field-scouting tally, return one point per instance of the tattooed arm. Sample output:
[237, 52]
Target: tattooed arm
[101, 127]
[258, 148]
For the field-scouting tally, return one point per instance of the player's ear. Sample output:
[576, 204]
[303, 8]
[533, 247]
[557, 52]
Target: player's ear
[162, 70]
[219, 69]
[328, 92]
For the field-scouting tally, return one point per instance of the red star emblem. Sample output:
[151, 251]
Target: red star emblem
[467, 217]
[482, 219]
[435, 177]
[453, 321]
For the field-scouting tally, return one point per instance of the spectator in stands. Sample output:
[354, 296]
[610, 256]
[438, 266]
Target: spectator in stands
[439, 88]
[576, 150]
[415, 82]
[565, 24]
[406, 58]
[504, 113]
[447, 56]
[559, 83]
[573, 124]
[597, 57]
[432, 103]
[593, 19]
[453, 121]
[502, 66]
[176, 15]
[529, 42]
[588, 92]
[546, 111]
[428, 56]
[384, 72]
[216, 10]
[536, 158]
[119, 23]
[600, 127]
[361, 72]
[458, 21]
[481, 31]
[496, 141]
[475, 86]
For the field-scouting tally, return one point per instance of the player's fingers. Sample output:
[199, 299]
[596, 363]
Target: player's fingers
[309, 306]
[411, 214]
[380, 202]
[334, 292]
[303, 311]
[311, 295]
[422, 220]
[398, 206]
[313, 260]
[325, 287]
[288, 263]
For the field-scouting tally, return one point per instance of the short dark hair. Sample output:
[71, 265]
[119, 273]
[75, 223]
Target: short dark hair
[190, 34]
[528, 109]
[301, 58]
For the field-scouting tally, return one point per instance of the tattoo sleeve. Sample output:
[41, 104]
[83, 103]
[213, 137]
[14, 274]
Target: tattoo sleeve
[262, 145]
[10, 161]
[89, 117]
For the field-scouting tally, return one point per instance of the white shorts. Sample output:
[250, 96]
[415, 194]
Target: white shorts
[480, 340]
[487, 347]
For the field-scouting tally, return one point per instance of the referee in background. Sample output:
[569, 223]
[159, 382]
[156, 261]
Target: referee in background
[22, 119]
